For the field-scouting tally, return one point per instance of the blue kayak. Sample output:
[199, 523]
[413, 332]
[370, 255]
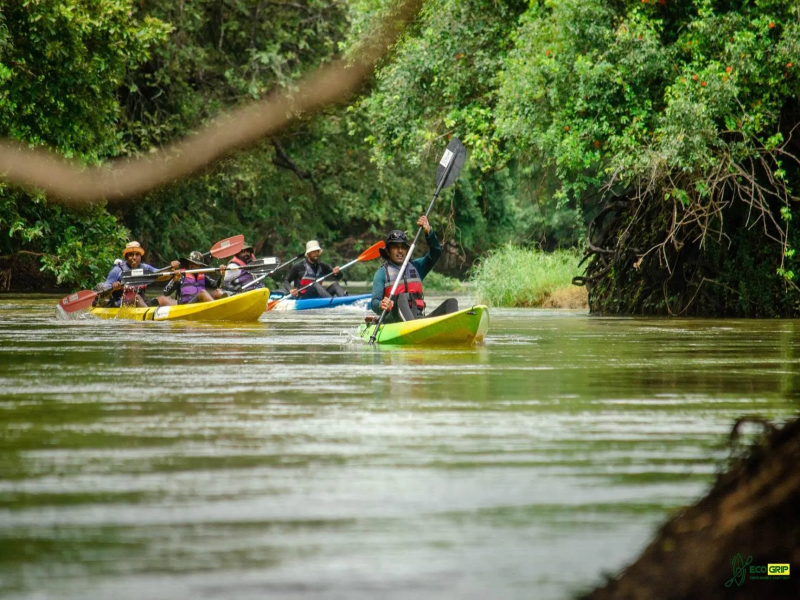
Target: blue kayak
[310, 303]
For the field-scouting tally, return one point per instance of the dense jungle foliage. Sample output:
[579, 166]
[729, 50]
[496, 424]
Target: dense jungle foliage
[666, 126]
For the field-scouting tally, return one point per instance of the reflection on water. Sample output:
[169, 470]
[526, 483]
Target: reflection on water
[280, 459]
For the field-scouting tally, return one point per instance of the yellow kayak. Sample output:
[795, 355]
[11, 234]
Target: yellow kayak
[463, 327]
[242, 307]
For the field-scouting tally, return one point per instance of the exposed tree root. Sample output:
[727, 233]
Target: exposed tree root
[753, 510]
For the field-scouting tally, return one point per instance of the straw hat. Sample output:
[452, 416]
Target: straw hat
[313, 245]
[133, 248]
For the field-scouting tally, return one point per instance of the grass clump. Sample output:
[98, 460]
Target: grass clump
[441, 283]
[523, 277]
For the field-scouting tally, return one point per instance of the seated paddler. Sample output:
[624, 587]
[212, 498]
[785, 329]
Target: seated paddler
[112, 292]
[410, 299]
[308, 271]
[195, 287]
[237, 275]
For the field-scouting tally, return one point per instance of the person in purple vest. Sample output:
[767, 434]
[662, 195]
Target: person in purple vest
[237, 274]
[194, 287]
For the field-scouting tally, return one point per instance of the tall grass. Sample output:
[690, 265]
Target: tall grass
[514, 276]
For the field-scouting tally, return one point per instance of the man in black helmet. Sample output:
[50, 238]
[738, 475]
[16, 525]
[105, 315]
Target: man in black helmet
[410, 299]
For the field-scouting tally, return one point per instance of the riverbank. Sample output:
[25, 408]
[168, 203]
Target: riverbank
[512, 276]
[749, 513]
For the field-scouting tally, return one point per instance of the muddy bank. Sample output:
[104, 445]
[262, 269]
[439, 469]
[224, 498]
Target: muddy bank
[20, 273]
[751, 512]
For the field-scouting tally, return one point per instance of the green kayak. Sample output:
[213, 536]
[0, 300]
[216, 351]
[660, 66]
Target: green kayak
[463, 327]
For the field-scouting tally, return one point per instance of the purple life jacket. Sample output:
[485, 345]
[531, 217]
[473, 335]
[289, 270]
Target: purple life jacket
[246, 276]
[191, 286]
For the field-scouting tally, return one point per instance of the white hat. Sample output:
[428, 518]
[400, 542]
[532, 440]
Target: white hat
[312, 245]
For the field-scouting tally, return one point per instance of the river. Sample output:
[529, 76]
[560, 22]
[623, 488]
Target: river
[281, 459]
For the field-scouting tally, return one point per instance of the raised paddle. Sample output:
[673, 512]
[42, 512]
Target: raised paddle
[370, 253]
[226, 248]
[446, 173]
[84, 298]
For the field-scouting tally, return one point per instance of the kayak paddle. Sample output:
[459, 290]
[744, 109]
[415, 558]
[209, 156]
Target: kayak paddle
[84, 298]
[226, 248]
[265, 275]
[446, 173]
[77, 301]
[370, 253]
[139, 277]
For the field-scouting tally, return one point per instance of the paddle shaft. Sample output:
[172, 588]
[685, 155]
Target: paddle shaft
[410, 252]
[324, 277]
[257, 279]
[370, 253]
[140, 280]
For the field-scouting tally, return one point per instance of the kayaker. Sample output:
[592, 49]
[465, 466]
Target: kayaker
[236, 275]
[309, 270]
[410, 297]
[194, 287]
[131, 296]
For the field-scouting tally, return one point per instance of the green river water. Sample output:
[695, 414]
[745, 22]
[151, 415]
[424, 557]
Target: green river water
[281, 459]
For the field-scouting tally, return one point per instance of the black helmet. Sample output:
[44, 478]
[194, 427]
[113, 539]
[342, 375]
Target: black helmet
[396, 236]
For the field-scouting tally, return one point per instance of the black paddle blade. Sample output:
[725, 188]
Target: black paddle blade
[262, 264]
[138, 281]
[456, 154]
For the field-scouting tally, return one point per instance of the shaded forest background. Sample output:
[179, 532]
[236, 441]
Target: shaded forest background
[657, 135]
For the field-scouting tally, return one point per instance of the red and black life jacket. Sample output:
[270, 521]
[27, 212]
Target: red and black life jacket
[127, 296]
[410, 283]
[310, 275]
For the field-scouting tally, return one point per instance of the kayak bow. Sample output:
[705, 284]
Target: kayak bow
[309, 303]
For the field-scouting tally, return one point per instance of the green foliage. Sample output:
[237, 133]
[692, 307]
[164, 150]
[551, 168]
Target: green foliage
[75, 245]
[515, 276]
[437, 282]
[691, 104]
[61, 62]
[442, 78]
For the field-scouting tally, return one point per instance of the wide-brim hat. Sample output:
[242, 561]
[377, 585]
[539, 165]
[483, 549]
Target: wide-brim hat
[194, 258]
[133, 248]
[247, 246]
[395, 236]
[313, 245]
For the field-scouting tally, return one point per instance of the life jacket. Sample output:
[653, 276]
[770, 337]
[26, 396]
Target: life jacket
[410, 283]
[192, 285]
[245, 277]
[310, 275]
[127, 295]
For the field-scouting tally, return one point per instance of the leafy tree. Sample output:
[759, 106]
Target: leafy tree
[61, 62]
[685, 111]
